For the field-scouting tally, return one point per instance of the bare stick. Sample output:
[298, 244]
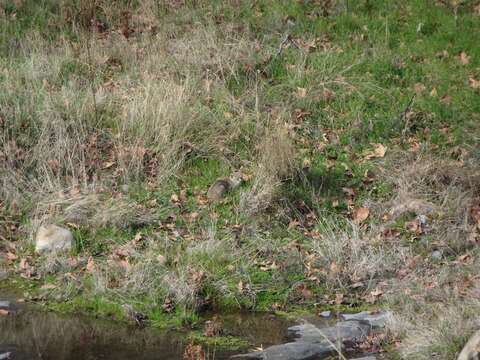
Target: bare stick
[92, 79]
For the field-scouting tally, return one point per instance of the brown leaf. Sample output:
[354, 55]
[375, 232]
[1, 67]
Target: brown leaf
[108, 164]
[379, 151]
[339, 298]
[475, 213]
[47, 287]
[360, 214]
[464, 58]
[11, 256]
[301, 92]
[90, 265]
[4, 312]
[419, 88]
[446, 99]
[473, 83]
[194, 352]
[328, 95]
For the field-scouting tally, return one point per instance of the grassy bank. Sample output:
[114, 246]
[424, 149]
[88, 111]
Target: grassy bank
[354, 125]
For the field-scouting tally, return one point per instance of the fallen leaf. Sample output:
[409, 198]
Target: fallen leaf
[90, 265]
[307, 163]
[475, 213]
[339, 298]
[301, 92]
[473, 83]
[4, 312]
[360, 214]
[414, 226]
[47, 287]
[379, 151]
[446, 99]
[11, 256]
[328, 94]
[419, 88]
[108, 164]
[464, 58]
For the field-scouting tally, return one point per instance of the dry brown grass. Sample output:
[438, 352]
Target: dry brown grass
[350, 255]
[442, 190]
[142, 122]
[276, 162]
[436, 300]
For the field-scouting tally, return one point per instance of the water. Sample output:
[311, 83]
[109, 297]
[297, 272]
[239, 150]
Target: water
[40, 335]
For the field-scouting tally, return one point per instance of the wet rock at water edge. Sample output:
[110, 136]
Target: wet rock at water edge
[8, 307]
[325, 314]
[290, 351]
[348, 331]
[374, 319]
[53, 238]
[6, 355]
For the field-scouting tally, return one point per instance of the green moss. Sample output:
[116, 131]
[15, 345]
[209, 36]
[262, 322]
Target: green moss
[226, 342]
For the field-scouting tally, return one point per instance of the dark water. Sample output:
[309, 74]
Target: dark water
[38, 335]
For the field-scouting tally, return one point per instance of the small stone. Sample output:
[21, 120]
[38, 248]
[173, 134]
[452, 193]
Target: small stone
[53, 238]
[375, 320]
[436, 255]
[325, 314]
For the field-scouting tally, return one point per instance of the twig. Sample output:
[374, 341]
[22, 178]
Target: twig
[286, 39]
[403, 116]
[92, 80]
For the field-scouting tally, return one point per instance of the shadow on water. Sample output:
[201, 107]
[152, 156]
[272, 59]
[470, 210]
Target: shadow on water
[40, 335]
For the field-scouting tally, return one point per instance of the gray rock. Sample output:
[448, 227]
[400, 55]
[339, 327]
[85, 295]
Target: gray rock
[4, 304]
[8, 305]
[366, 358]
[53, 238]
[326, 314]
[290, 351]
[437, 255]
[375, 320]
[349, 331]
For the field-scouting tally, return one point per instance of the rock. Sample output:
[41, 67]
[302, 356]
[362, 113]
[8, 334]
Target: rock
[219, 188]
[53, 238]
[8, 307]
[375, 320]
[436, 255]
[6, 355]
[349, 331]
[366, 358]
[290, 351]
[471, 349]
[325, 314]
[4, 304]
